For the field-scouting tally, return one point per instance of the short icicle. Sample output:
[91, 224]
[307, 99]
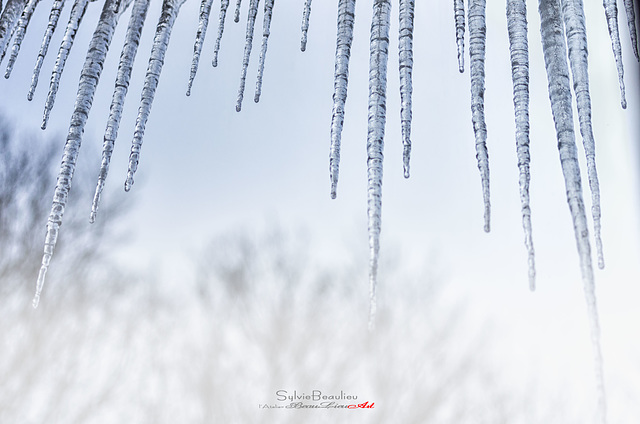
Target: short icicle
[224, 5]
[8, 22]
[574, 21]
[77, 13]
[89, 78]
[631, 21]
[344, 38]
[379, 52]
[405, 54]
[54, 15]
[266, 28]
[458, 9]
[519, 49]
[170, 9]
[555, 54]
[205, 11]
[23, 22]
[251, 21]
[236, 15]
[306, 14]
[611, 13]
[127, 57]
[477, 40]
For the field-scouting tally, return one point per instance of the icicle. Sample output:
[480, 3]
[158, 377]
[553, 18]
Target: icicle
[573, 12]
[379, 47]
[127, 57]
[251, 20]
[631, 21]
[51, 27]
[477, 39]
[611, 13]
[77, 13]
[519, 49]
[306, 13]
[223, 14]
[458, 8]
[8, 21]
[89, 78]
[266, 25]
[205, 10]
[170, 9]
[346, 19]
[406, 69]
[553, 46]
[23, 22]
[236, 17]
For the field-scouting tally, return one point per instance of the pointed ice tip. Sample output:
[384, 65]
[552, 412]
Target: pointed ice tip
[406, 173]
[29, 96]
[7, 74]
[128, 184]
[92, 218]
[44, 124]
[461, 69]
[256, 98]
[623, 102]
[35, 301]
[214, 63]
[600, 263]
[238, 107]
[303, 48]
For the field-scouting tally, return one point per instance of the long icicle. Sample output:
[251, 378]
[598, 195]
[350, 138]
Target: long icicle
[127, 57]
[89, 78]
[8, 22]
[379, 52]
[555, 54]
[77, 13]
[405, 55]
[344, 38]
[224, 5]
[477, 40]
[631, 22]
[54, 15]
[251, 21]
[236, 16]
[458, 10]
[23, 22]
[170, 9]
[519, 50]
[205, 11]
[266, 31]
[306, 14]
[611, 13]
[574, 21]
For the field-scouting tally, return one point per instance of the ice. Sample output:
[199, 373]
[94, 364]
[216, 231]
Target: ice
[477, 40]
[170, 9]
[631, 21]
[77, 13]
[379, 52]
[46, 39]
[405, 54]
[555, 54]
[573, 13]
[344, 38]
[458, 9]
[127, 57]
[306, 13]
[224, 5]
[611, 13]
[8, 21]
[89, 78]
[205, 10]
[23, 22]
[519, 49]
[236, 16]
[251, 21]
[266, 26]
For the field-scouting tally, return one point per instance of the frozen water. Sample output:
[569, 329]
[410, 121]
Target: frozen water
[23, 22]
[223, 14]
[405, 54]
[251, 21]
[266, 27]
[306, 13]
[205, 10]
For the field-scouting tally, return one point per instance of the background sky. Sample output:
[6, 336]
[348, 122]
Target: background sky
[205, 168]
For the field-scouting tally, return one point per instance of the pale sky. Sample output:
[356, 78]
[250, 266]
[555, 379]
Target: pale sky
[205, 168]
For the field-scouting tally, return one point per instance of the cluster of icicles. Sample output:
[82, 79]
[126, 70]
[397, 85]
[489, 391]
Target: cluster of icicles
[562, 27]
